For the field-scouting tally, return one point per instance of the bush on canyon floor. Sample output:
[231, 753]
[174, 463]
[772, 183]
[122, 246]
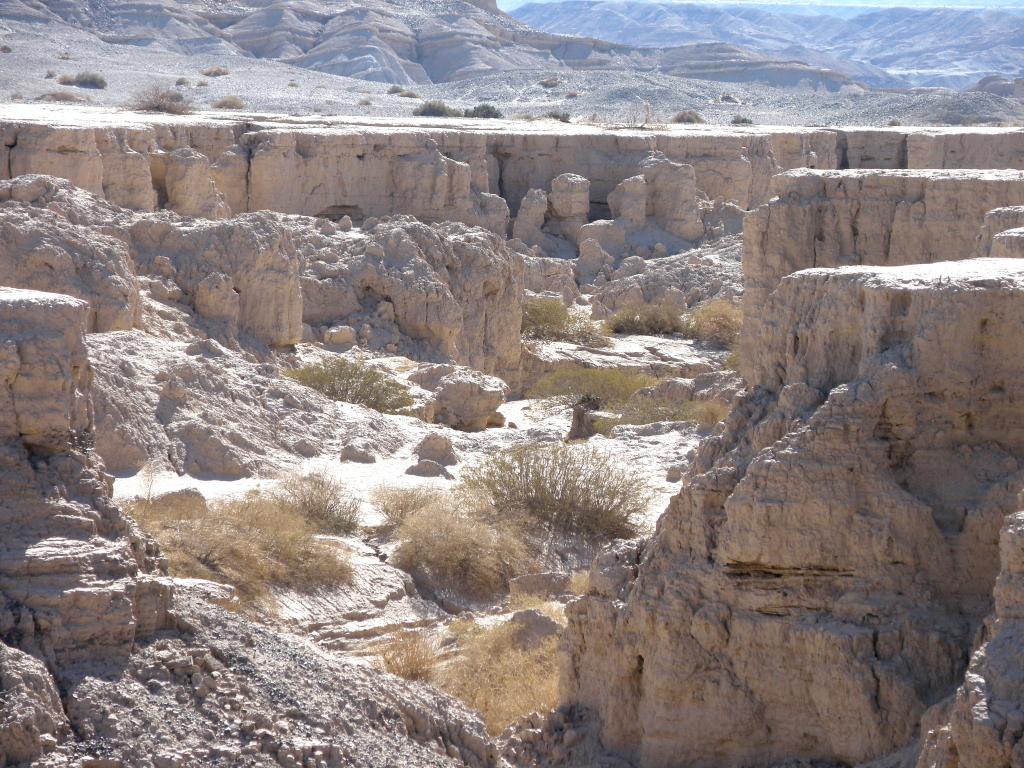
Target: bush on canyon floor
[741, 120]
[157, 99]
[323, 501]
[395, 89]
[449, 546]
[485, 111]
[412, 655]
[62, 97]
[690, 116]
[6, 49]
[499, 678]
[215, 72]
[646, 320]
[718, 323]
[436, 109]
[404, 94]
[229, 102]
[562, 117]
[645, 409]
[395, 503]
[550, 320]
[575, 491]
[182, 82]
[254, 543]
[611, 386]
[549, 82]
[351, 381]
[84, 80]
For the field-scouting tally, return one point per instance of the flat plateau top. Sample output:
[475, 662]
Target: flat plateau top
[64, 116]
[967, 274]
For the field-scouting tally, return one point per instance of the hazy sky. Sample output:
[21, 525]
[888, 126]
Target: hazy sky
[811, 4]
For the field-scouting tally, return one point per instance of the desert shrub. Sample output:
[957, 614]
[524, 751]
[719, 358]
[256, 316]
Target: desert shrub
[408, 94]
[6, 49]
[579, 583]
[718, 322]
[411, 655]
[651, 409]
[563, 117]
[366, 101]
[84, 80]
[741, 120]
[351, 381]
[549, 319]
[203, 84]
[500, 679]
[646, 319]
[323, 501]
[611, 386]
[395, 503]
[549, 82]
[157, 99]
[215, 72]
[688, 116]
[485, 111]
[253, 543]
[62, 97]
[572, 95]
[50, 74]
[395, 89]
[450, 547]
[569, 490]
[229, 102]
[436, 109]
[894, 123]
[292, 84]
[182, 82]
[64, 56]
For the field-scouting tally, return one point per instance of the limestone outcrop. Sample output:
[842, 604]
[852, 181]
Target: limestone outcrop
[817, 584]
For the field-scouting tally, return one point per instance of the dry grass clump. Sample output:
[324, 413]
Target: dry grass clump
[611, 386]
[579, 582]
[395, 504]
[62, 97]
[651, 409]
[717, 323]
[646, 320]
[404, 94]
[688, 116]
[229, 102]
[84, 80]
[500, 679]
[215, 72]
[395, 89]
[550, 82]
[157, 99]
[351, 381]
[550, 320]
[323, 501]
[574, 491]
[411, 655]
[253, 543]
[454, 548]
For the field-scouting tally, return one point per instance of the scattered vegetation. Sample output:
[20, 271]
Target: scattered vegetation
[157, 99]
[292, 84]
[688, 116]
[352, 381]
[6, 49]
[436, 109]
[741, 120]
[550, 82]
[182, 82]
[573, 491]
[647, 320]
[215, 72]
[84, 80]
[485, 111]
[573, 95]
[395, 89]
[322, 500]
[411, 655]
[453, 547]
[648, 408]
[229, 102]
[611, 386]
[500, 679]
[395, 503]
[253, 543]
[718, 323]
[62, 97]
[728, 98]
[408, 94]
[551, 320]
[563, 117]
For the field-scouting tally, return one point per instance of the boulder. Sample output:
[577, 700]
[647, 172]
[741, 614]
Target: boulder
[436, 447]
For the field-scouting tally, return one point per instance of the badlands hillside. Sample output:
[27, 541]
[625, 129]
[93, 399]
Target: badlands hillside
[334, 435]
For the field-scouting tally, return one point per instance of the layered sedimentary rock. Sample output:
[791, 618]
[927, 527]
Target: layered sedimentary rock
[839, 218]
[817, 584]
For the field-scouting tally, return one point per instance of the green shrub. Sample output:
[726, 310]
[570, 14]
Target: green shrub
[229, 102]
[647, 320]
[436, 109]
[717, 323]
[688, 116]
[485, 111]
[84, 80]
[569, 490]
[741, 120]
[157, 99]
[611, 386]
[550, 320]
[351, 381]
[325, 502]
[563, 117]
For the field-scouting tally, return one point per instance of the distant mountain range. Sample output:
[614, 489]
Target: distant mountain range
[887, 47]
